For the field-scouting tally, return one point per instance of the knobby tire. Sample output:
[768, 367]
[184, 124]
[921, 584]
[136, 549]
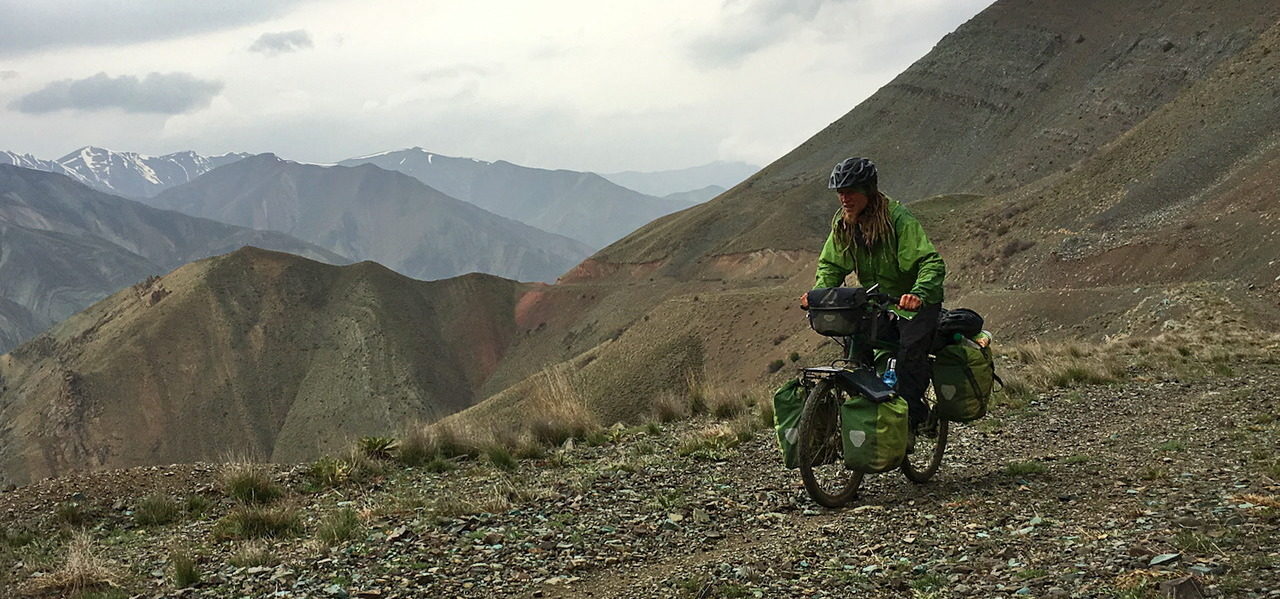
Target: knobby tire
[820, 449]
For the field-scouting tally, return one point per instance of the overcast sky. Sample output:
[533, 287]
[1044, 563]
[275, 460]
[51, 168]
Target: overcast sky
[586, 85]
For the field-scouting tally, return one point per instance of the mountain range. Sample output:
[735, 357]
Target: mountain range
[713, 176]
[126, 174]
[369, 213]
[1084, 168]
[64, 246]
[579, 205]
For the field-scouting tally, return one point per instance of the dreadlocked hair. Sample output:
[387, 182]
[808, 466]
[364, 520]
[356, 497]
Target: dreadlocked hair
[872, 227]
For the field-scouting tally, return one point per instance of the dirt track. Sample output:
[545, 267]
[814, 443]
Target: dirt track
[1130, 472]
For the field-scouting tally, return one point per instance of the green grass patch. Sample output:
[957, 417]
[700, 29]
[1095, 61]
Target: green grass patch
[248, 482]
[1078, 458]
[1172, 445]
[1024, 468]
[499, 457]
[157, 510]
[184, 569]
[259, 522]
[337, 527]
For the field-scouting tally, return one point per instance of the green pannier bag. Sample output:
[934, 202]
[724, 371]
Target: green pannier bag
[788, 401]
[874, 434]
[963, 377]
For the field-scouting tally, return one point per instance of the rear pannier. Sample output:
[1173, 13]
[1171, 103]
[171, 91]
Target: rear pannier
[963, 377]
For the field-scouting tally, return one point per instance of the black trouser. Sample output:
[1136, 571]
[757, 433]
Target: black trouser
[915, 339]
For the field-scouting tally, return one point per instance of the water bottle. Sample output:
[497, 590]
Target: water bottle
[891, 374]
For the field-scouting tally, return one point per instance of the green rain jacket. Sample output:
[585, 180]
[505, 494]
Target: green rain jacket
[906, 263]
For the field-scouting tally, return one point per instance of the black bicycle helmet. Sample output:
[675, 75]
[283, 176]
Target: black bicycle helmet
[853, 172]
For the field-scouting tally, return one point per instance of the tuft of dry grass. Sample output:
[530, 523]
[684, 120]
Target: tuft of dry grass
[724, 403]
[157, 510]
[338, 527]
[559, 410]
[258, 522]
[82, 571]
[253, 553]
[185, 572]
[249, 482]
[669, 408]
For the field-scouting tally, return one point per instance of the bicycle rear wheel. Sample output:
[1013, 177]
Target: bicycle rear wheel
[820, 449]
[921, 464]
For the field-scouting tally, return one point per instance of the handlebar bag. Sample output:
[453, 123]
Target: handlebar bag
[874, 434]
[963, 377]
[839, 311]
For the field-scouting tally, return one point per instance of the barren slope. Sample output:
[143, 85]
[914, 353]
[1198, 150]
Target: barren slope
[254, 352]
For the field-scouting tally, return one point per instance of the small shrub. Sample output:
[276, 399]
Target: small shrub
[452, 439]
[328, 472]
[794, 357]
[653, 428]
[1172, 445]
[775, 366]
[1078, 459]
[249, 482]
[338, 526]
[258, 522]
[185, 573]
[157, 510]
[378, 448]
[253, 553]
[1024, 468]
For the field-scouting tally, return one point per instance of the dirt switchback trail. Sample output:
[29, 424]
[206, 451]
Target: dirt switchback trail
[1084, 493]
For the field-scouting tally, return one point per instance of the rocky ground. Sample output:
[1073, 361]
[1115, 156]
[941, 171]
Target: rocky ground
[1090, 491]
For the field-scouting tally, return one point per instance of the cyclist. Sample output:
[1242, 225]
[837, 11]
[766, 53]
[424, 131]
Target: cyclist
[879, 240]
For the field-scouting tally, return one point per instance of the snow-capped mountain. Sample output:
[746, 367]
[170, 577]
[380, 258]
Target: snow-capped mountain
[31, 162]
[126, 174]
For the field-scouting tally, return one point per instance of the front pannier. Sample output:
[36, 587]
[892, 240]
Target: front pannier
[874, 434]
[788, 402]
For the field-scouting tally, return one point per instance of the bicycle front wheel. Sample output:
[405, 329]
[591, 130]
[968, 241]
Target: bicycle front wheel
[820, 449]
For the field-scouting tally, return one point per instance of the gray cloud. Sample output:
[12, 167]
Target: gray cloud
[165, 93]
[750, 26]
[30, 26]
[8, 75]
[282, 42]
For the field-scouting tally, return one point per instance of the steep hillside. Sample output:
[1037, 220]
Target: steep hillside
[373, 214]
[1115, 241]
[254, 351]
[1023, 90]
[582, 206]
[64, 246]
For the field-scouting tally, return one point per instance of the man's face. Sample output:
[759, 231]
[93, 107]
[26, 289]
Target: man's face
[852, 201]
